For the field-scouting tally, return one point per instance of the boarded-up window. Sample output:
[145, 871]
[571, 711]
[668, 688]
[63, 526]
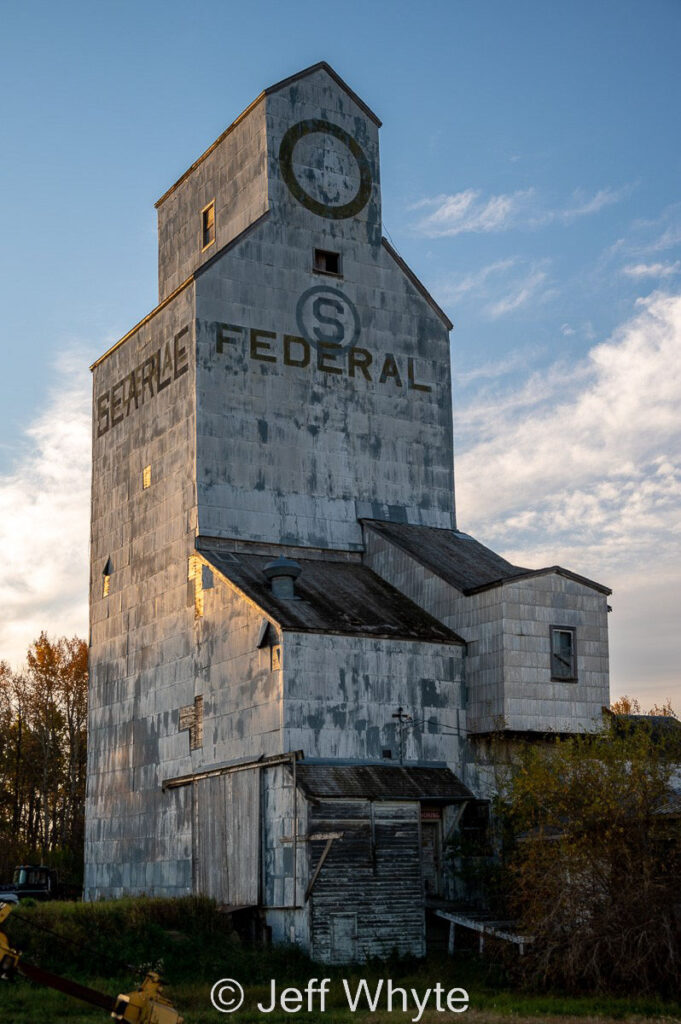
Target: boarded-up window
[191, 718]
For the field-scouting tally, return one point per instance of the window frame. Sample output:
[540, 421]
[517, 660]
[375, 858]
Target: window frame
[572, 630]
[206, 245]
[327, 273]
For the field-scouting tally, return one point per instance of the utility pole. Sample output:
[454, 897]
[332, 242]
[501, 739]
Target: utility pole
[403, 721]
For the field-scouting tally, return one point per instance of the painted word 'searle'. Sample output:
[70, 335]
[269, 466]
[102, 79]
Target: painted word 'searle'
[151, 376]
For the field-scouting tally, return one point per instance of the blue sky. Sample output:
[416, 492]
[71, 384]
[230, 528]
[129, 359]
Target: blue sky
[530, 169]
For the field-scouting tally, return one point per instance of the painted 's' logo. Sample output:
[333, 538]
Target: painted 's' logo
[326, 316]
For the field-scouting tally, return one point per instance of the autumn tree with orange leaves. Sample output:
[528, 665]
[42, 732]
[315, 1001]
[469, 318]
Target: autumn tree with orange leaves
[43, 728]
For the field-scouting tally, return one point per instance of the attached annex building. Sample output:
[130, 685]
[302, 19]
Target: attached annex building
[295, 654]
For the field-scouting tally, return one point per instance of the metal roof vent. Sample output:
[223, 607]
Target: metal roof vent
[282, 574]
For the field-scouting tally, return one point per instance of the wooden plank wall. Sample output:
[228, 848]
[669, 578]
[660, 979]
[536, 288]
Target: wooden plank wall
[227, 837]
[368, 899]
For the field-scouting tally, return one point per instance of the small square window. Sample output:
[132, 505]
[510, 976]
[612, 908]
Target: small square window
[326, 262]
[208, 225]
[563, 654]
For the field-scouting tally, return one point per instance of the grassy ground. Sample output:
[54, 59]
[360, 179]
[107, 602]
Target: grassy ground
[109, 946]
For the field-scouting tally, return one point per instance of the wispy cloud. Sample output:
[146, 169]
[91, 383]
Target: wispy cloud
[652, 269]
[646, 238]
[581, 465]
[494, 369]
[521, 293]
[44, 517]
[500, 287]
[475, 283]
[583, 206]
[471, 211]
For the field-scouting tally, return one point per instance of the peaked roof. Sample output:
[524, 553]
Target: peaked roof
[420, 287]
[323, 66]
[460, 559]
[319, 66]
[343, 597]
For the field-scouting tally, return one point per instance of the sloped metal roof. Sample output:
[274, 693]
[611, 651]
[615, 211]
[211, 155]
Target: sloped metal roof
[381, 782]
[460, 559]
[341, 597]
[456, 557]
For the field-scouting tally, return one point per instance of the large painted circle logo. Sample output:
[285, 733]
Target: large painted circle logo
[335, 321]
[288, 144]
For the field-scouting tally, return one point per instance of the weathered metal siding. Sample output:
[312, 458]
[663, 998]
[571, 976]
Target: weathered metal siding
[322, 164]
[141, 657]
[340, 694]
[288, 452]
[507, 667]
[227, 837]
[240, 684]
[285, 818]
[531, 699]
[368, 898]
[234, 175]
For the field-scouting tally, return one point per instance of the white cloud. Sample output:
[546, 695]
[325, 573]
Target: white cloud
[652, 269]
[581, 465]
[44, 517]
[470, 211]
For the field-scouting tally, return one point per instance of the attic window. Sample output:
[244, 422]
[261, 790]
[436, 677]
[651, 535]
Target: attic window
[208, 225]
[326, 262]
[563, 654]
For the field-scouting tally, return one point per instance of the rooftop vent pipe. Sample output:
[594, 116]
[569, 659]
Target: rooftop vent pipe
[282, 574]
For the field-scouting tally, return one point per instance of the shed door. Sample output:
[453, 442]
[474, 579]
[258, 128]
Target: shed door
[227, 837]
[343, 938]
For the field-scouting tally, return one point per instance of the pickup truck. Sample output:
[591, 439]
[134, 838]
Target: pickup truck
[38, 882]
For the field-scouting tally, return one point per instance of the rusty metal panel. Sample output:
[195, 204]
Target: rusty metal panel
[227, 823]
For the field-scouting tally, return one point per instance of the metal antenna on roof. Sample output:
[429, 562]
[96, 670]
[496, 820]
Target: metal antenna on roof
[404, 720]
